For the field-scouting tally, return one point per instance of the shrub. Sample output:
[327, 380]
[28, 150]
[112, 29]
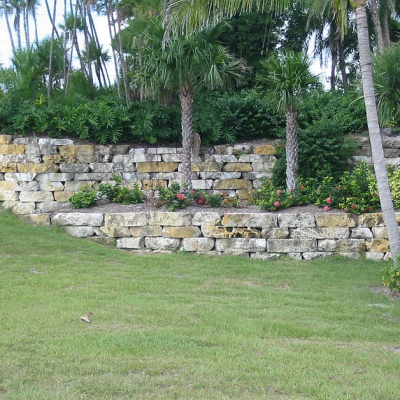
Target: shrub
[84, 198]
[172, 197]
[119, 194]
[391, 278]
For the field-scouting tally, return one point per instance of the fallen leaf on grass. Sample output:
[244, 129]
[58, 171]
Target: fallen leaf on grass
[86, 317]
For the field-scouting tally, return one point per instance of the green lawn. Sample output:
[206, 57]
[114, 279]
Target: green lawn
[188, 327]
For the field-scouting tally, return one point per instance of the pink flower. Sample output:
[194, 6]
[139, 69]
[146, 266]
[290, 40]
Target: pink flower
[278, 192]
[201, 201]
[302, 187]
[329, 200]
[326, 208]
[180, 196]
[346, 210]
[277, 204]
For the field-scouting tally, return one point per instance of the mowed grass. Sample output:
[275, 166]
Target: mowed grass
[188, 327]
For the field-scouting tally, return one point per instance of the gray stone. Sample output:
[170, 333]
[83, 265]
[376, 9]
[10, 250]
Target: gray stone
[170, 218]
[49, 186]
[115, 231]
[25, 140]
[8, 195]
[240, 244]
[251, 176]
[221, 158]
[93, 176]
[320, 233]
[202, 184]
[100, 167]
[379, 232]
[252, 158]
[291, 245]
[78, 219]
[262, 166]
[80, 231]
[164, 150]
[55, 176]
[342, 245]
[24, 176]
[35, 196]
[130, 243]
[298, 220]
[146, 231]
[295, 256]
[160, 243]
[206, 218]
[32, 186]
[265, 256]
[275, 233]
[59, 142]
[199, 245]
[315, 255]
[19, 208]
[220, 175]
[375, 256]
[69, 167]
[242, 148]
[136, 151]
[49, 206]
[171, 157]
[126, 219]
[361, 233]
[252, 220]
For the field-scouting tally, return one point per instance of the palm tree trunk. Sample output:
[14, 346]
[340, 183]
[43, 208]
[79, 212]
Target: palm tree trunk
[374, 131]
[333, 67]
[26, 24]
[86, 36]
[51, 54]
[377, 24]
[186, 98]
[342, 66]
[53, 22]
[385, 25]
[292, 148]
[35, 24]
[8, 25]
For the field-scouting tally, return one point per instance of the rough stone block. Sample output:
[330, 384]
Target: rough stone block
[5, 139]
[265, 256]
[35, 196]
[7, 186]
[170, 218]
[55, 177]
[181, 232]
[225, 184]
[263, 166]
[80, 231]
[375, 256]
[320, 233]
[267, 149]
[139, 150]
[26, 186]
[379, 232]
[298, 220]
[206, 166]
[130, 243]
[19, 208]
[74, 168]
[120, 148]
[143, 231]
[25, 177]
[164, 150]
[78, 219]
[241, 245]
[220, 175]
[8, 195]
[275, 233]
[126, 219]
[252, 220]
[63, 196]
[361, 233]
[335, 220]
[8, 167]
[315, 255]
[341, 245]
[200, 245]
[251, 176]
[57, 142]
[157, 167]
[237, 167]
[221, 158]
[371, 220]
[49, 186]
[36, 168]
[161, 243]
[171, 158]
[93, 176]
[291, 245]
[76, 186]
[202, 184]
[52, 159]
[377, 245]
[152, 184]
[50, 206]
[12, 149]
[116, 231]
[223, 232]
[206, 218]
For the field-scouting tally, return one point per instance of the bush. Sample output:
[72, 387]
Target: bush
[119, 194]
[84, 198]
[391, 278]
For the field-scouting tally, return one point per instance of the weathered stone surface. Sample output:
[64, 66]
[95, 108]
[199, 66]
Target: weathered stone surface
[49, 186]
[5, 139]
[374, 256]
[63, 196]
[49, 206]
[224, 232]
[8, 167]
[157, 166]
[202, 184]
[93, 176]
[265, 256]
[57, 142]
[315, 255]
[252, 220]
[26, 186]
[37, 219]
[298, 220]
[8, 195]
[171, 158]
[341, 245]
[145, 158]
[267, 149]
[35, 196]
[7, 186]
[320, 233]
[170, 218]
[80, 231]
[126, 219]
[116, 231]
[131, 243]
[263, 166]
[351, 255]
[57, 177]
[250, 158]
[275, 233]
[69, 167]
[146, 231]
[104, 241]
[52, 159]
[78, 219]
[36, 168]
[221, 158]
[120, 148]
[220, 175]
[295, 256]
[76, 186]
[162, 243]
[237, 167]
[12, 149]
[379, 232]
[181, 232]
[152, 184]
[19, 177]
[206, 166]
[251, 176]
[370, 220]
[335, 220]
[19, 208]
[206, 218]
[165, 150]
[241, 245]
[361, 233]
[200, 245]
[291, 245]
[377, 245]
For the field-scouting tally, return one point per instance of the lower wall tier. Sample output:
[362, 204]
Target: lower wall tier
[256, 235]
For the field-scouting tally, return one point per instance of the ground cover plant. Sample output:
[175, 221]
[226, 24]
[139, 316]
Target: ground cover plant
[186, 326]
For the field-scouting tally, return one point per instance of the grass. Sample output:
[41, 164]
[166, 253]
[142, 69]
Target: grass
[188, 327]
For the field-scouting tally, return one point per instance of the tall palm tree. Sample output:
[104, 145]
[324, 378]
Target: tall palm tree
[288, 77]
[6, 9]
[189, 61]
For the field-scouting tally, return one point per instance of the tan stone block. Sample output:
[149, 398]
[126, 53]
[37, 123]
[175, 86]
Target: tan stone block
[37, 196]
[126, 219]
[238, 167]
[85, 150]
[12, 149]
[253, 220]
[5, 139]
[220, 232]
[226, 184]
[19, 208]
[151, 184]
[36, 168]
[37, 219]
[8, 167]
[267, 149]
[200, 245]
[7, 186]
[142, 231]
[372, 219]
[68, 153]
[335, 220]
[52, 159]
[181, 232]
[243, 194]
[63, 196]
[165, 218]
[8, 195]
[116, 231]
[205, 167]
[377, 245]
[157, 167]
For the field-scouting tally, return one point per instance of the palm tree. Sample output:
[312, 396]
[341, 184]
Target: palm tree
[288, 77]
[188, 62]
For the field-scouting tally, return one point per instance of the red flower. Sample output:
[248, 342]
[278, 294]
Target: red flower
[329, 200]
[353, 206]
[278, 192]
[302, 187]
[277, 204]
[180, 196]
[346, 210]
[201, 201]
[326, 208]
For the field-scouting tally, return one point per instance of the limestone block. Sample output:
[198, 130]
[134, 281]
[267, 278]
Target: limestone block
[265, 256]
[76, 186]
[206, 166]
[162, 243]
[170, 218]
[78, 219]
[266, 149]
[5, 139]
[126, 219]
[49, 186]
[206, 218]
[315, 255]
[50, 206]
[18, 158]
[57, 177]
[221, 158]
[295, 256]
[63, 196]
[102, 150]
[252, 220]
[244, 194]
[224, 184]
[19, 208]
[38, 196]
[26, 186]
[146, 158]
[120, 148]
[237, 167]
[36, 168]
[202, 184]
[220, 175]
[320, 233]
[37, 219]
[12, 149]
[379, 232]
[291, 245]
[147, 230]
[251, 176]
[130, 243]
[223, 149]
[361, 233]
[7, 185]
[67, 152]
[172, 158]
[371, 220]
[135, 151]
[353, 256]
[172, 176]
[223, 232]
[374, 256]
[275, 233]
[240, 244]
[68, 167]
[298, 220]
[257, 184]
[26, 177]
[335, 220]
[88, 158]
[263, 166]
[80, 231]
[164, 150]
[181, 232]
[105, 241]
[8, 195]
[250, 158]
[377, 245]
[200, 245]
[341, 245]
[52, 159]
[132, 176]
[94, 176]
[116, 231]
[8, 167]
[57, 142]
[152, 184]
[157, 166]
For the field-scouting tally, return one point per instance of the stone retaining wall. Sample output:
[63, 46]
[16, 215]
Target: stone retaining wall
[256, 235]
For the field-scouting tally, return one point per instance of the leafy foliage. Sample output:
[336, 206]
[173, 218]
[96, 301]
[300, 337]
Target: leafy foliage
[84, 198]
[118, 193]
[391, 277]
